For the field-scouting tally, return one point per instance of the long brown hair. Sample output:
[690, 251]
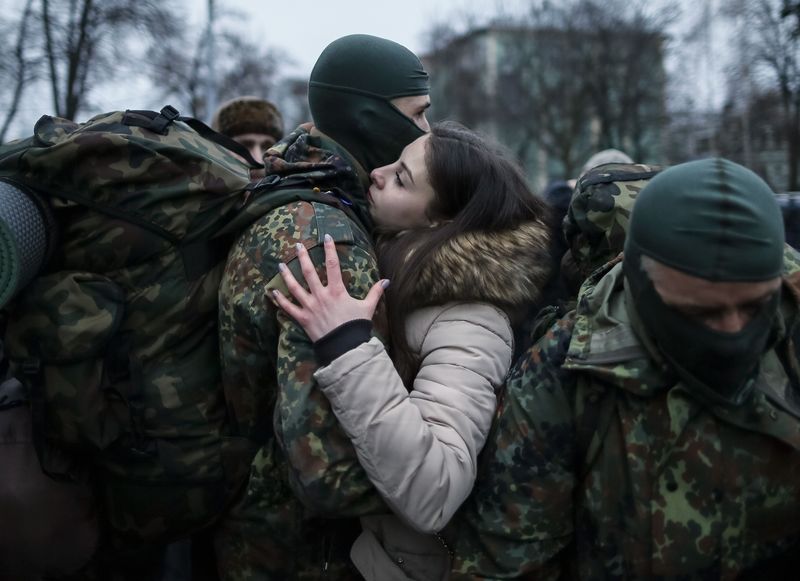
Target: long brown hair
[477, 187]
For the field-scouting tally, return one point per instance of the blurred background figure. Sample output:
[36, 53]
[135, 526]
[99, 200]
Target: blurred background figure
[601, 158]
[254, 122]
[791, 221]
[558, 195]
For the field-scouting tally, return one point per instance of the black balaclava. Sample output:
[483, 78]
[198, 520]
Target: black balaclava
[719, 221]
[349, 94]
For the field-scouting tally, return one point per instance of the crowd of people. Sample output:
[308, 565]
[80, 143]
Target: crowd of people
[440, 374]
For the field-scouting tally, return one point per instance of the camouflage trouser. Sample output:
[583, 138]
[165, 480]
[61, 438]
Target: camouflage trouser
[264, 536]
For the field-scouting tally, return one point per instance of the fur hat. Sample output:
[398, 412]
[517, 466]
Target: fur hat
[248, 115]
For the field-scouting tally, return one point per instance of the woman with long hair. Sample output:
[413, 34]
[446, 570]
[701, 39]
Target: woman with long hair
[464, 242]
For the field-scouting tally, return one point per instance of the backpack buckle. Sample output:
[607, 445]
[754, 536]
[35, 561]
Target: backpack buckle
[166, 116]
[31, 367]
[170, 112]
[267, 181]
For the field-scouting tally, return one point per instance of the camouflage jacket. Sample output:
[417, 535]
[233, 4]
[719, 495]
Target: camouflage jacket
[268, 366]
[664, 487]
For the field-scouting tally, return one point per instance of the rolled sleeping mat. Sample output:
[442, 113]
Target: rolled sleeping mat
[23, 240]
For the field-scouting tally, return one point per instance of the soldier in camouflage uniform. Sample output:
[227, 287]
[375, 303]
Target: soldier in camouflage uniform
[654, 432]
[368, 98]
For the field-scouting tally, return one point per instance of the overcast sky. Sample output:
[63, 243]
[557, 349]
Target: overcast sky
[304, 27]
[301, 28]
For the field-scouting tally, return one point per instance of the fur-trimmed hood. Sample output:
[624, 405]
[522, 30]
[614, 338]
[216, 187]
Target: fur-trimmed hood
[507, 268]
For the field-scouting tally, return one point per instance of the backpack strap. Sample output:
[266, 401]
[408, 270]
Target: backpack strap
[222, 140]
[150, 120]
[159, 123]
[592, 426]
[31, 371]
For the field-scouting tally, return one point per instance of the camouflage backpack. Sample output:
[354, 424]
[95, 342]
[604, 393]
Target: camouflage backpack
[115, 338]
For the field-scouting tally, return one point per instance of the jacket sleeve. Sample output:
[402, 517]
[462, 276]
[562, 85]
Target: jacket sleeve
[519, 518]
[420, 448]
[324, 472]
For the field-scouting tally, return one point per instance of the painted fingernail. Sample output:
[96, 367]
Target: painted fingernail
[299, 246]
[328, 238]
[276, 293]
[281, 266]
[385, 283]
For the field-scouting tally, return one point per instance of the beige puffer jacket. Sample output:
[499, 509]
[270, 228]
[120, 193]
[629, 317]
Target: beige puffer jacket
[420, 448]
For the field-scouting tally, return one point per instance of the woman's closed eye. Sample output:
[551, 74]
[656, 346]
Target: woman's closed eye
[397, 179]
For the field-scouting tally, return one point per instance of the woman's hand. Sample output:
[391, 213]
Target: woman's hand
[323, 308]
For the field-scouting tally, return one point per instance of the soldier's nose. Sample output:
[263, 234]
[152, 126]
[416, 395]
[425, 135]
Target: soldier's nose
[731, 321]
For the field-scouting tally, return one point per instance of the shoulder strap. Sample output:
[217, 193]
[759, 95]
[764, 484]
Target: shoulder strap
[223, 140]
[592, 426]
[159, 122]
[203, 253]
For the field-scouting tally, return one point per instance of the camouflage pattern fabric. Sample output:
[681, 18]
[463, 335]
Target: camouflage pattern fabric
[594, 227]
[667, 487]
[116, 340]
[268, 366]
[598, 215]
[791, 262]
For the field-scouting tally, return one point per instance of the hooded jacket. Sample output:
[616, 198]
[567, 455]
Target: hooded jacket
[666, 486]
[420, 448]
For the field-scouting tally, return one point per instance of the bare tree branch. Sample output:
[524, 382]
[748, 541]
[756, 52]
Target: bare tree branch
[21, 70]
[564, 79]
[771, 55]
[89, 42]
[249, 69]
[50, 49]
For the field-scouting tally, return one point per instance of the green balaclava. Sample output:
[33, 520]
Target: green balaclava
[715, 220]
[349, 94]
